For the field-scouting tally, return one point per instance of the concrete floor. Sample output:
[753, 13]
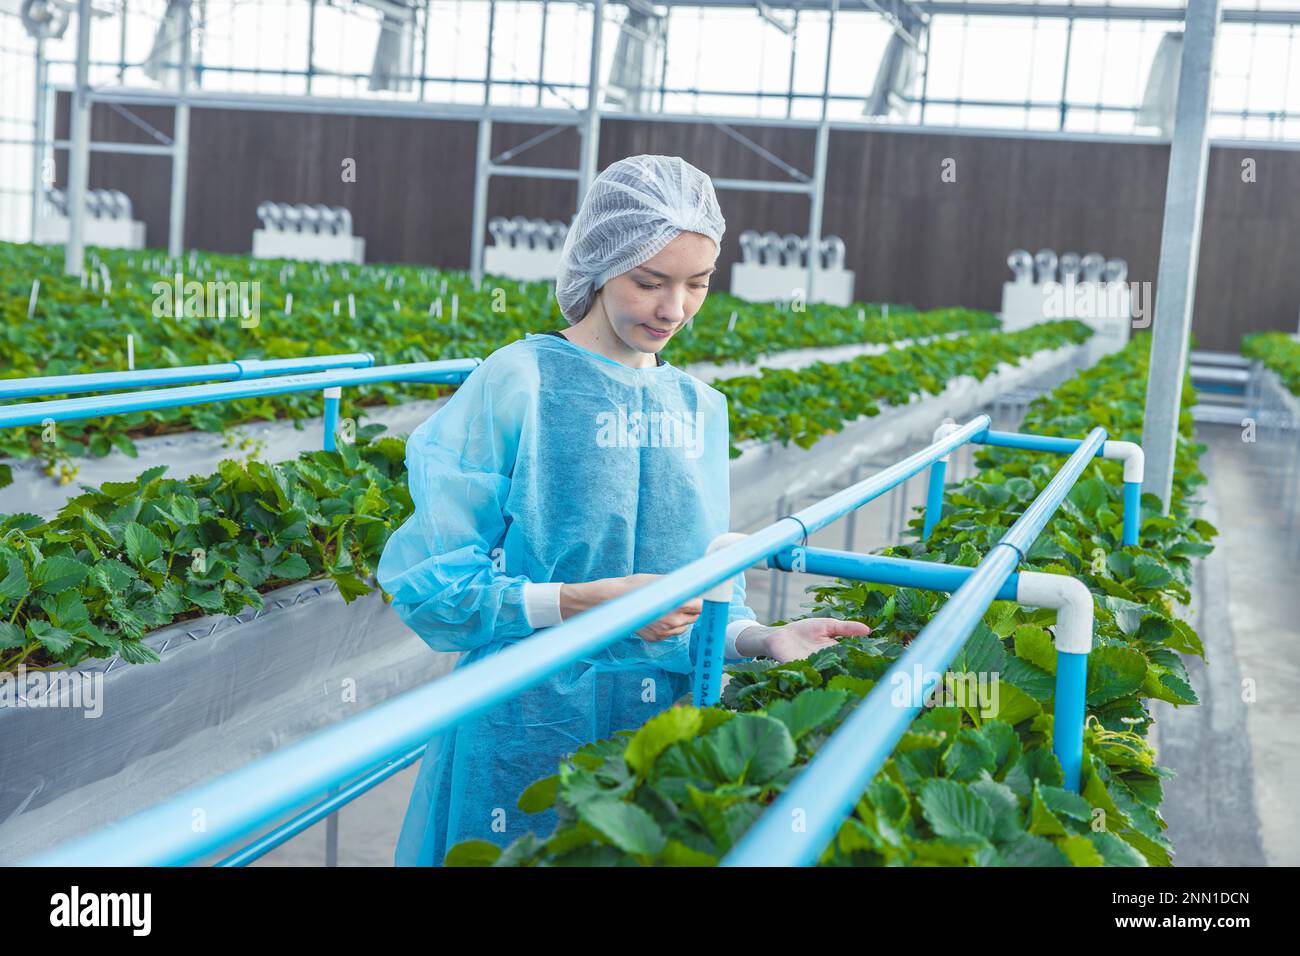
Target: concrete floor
[1236, 754]
[1238, 763]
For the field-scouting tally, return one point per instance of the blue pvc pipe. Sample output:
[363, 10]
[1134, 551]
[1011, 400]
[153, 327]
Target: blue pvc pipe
[95, 406]
[833, 781]
[934, 497]
[309, 818]
[331, 422]
[261, 792]
[706, 689]
[880, 569]
[1067, 724]
[1132, 511]
[1060, 446]
[40, 385]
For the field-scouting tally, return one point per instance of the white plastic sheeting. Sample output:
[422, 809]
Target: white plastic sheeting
[226, 691]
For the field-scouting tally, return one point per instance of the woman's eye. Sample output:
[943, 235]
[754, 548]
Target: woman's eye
[704, 286]
[647, 287]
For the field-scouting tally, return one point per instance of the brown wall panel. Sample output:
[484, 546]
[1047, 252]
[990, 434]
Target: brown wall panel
[911, 237]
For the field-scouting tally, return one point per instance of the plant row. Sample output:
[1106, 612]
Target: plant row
[129, 557]
[399, 313]
[802, 405]
[1279, 352]
[974, 780]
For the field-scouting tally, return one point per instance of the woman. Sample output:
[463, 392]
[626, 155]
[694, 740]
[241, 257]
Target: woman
[567, 470]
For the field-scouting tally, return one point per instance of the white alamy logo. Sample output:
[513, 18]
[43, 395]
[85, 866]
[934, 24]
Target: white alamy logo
[102, 909]
[23, 688]
[1095, 300]
[657, 429]
[208, 300]
[967, 689]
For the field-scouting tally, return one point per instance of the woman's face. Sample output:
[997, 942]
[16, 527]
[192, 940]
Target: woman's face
[648, 305]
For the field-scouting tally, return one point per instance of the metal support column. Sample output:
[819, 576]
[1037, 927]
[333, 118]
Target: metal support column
[541, 55]
[591, 125]
[79, 155]
[1180, 244]
[180, 143]
[482, 161]
[482, 179]
[38, 139]
[819, 171]
[311, 49]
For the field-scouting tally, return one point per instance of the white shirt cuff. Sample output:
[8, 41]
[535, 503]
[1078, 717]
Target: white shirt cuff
[734, 630]
[542, 604]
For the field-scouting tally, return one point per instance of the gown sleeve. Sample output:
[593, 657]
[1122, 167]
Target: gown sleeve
[445, 566]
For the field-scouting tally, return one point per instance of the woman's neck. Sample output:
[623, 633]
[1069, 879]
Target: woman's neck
[594, 332]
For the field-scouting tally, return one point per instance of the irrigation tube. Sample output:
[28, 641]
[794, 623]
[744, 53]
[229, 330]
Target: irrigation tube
[1126, 451]
[257, 795]
[799, 825]
[186, 374]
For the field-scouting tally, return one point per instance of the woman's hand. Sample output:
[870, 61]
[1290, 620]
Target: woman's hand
[576, 598]
[797, 640]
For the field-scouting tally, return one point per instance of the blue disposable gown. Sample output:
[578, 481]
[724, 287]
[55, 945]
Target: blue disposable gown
[551, 463]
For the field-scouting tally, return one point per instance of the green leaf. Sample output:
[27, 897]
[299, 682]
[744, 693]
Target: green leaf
[14, 584]
[625, 825]
[970, 756]
[658, 734]
[809, 710]
[1030, 850]
[1012, 704]
[53, 639]
[291, 567]
[1088, 495]
[1185, 639]
[11, 636]
[954, 810]
[540, 795]
[1114, 851]
[472, 853]
[1150, 573]
[1007, 818]
[142, 545]
[351, 587]
[1114, 672]
[750, 748]
[678, 854]
[57, 574]
[1035, 645]
[857, 686]
[1081, 851]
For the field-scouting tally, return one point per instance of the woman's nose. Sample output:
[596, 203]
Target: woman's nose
[673, 306]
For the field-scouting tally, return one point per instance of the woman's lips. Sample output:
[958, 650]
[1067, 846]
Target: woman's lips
[655, 333]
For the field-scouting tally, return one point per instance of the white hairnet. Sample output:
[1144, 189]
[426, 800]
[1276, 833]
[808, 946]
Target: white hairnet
[634, 208]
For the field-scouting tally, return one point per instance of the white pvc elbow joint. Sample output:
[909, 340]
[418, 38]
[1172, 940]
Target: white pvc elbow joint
[1071, 600]
[943, 431]
[1130, 454]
